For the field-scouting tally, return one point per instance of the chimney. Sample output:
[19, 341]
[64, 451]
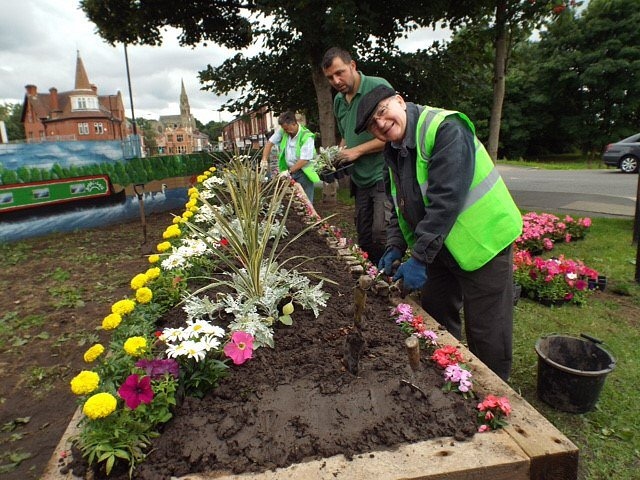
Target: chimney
[53, 92]
[32, 90]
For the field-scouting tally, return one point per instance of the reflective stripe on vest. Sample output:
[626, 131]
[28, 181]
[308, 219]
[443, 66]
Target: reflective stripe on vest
[488, 220]
[303, 135]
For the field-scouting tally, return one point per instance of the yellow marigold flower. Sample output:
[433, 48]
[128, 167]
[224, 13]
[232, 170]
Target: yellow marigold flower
[85, 382]
[122, 307]
[206, 173]
[212, 169]
[139, 281]
[176, 219]
[194, 209]
[153, 273]
[135, 346]
[144, 295]
[155, 258]
[200, 178]
[171, 231]
[92, 353]
[111, 321]
[186, 215]
[192, 191]
[99, 405]
[163, 247]
[194, 196]
[190, 204]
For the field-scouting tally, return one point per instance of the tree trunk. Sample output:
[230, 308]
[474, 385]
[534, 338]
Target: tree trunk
[499, 74]
[327, 126]
[325, 108]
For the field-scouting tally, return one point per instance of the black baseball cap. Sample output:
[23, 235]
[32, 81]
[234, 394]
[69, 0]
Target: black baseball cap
[369, 104]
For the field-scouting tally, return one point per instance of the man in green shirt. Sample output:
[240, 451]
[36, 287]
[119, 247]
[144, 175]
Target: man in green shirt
[373, 209]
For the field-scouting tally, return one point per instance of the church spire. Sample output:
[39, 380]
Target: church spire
[185, 109]
[82, 79]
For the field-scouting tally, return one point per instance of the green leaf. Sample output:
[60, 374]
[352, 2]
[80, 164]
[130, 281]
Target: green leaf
[625, 434]
[19, 457]
[286, 319]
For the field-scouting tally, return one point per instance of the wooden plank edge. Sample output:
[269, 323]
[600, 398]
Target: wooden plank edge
[552, 454]
[494, 455]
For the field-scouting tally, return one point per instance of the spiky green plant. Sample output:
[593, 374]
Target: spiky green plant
[253, 223]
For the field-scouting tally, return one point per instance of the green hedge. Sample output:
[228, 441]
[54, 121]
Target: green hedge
[124, 172]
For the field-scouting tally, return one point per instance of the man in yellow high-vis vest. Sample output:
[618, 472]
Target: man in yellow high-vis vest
[454, 213]
[297, 150]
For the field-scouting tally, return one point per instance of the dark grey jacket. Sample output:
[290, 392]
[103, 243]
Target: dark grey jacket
[451, 168]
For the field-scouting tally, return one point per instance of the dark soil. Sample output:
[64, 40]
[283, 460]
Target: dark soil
[298, 402]
[55, 292]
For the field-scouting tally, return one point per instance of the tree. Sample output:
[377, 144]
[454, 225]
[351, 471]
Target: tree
[513, 21]
[212, 128]
[11, 114]
[149, 133]
[577, 84]
[609, 51]
[294, 34]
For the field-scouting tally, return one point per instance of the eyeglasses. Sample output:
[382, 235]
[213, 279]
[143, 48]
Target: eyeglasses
[382, 110]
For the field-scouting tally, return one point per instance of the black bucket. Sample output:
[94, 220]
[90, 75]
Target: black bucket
[571, 371]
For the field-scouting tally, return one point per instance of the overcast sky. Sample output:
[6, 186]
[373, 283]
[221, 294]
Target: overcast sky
[39, 41]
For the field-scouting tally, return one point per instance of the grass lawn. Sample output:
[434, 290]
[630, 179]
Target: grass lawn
[609, 443]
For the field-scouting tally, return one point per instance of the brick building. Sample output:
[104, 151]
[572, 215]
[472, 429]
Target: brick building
[76, 115]
[176, 134]
[252, 129]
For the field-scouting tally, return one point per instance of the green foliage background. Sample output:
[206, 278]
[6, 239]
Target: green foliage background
[126, 172]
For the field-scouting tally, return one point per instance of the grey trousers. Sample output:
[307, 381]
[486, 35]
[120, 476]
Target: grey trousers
[305, 183]
[486, 297]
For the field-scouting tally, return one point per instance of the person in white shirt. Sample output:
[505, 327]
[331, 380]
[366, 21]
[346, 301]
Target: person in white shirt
[297, 150]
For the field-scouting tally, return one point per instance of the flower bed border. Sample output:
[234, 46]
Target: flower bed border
[529, 448]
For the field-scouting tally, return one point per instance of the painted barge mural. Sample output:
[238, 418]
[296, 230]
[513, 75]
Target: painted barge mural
[46, 188]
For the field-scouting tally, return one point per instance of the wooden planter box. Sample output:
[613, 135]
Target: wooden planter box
[529, 448]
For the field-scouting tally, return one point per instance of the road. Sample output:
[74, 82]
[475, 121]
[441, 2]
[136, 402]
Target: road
[605, 192]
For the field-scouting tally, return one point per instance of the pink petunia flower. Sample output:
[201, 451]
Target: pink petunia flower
[240, 348]
[136, 390]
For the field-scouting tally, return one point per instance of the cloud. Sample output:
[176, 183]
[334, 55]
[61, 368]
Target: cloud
[38, 44]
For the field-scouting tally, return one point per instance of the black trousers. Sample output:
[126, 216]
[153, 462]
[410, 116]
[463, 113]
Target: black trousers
[486, 297]
[372, 214]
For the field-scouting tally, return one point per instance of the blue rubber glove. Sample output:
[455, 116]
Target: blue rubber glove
[413, 274]
[391, 254]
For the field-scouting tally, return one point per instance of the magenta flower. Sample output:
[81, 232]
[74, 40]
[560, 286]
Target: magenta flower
[136, 390]
[240, 348]
[158, 367]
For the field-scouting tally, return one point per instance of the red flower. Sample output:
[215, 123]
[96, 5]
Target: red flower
[136, 390]
[447, 355]
[224, 242]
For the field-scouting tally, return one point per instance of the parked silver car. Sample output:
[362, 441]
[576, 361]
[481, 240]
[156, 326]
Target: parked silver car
[624, 154]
